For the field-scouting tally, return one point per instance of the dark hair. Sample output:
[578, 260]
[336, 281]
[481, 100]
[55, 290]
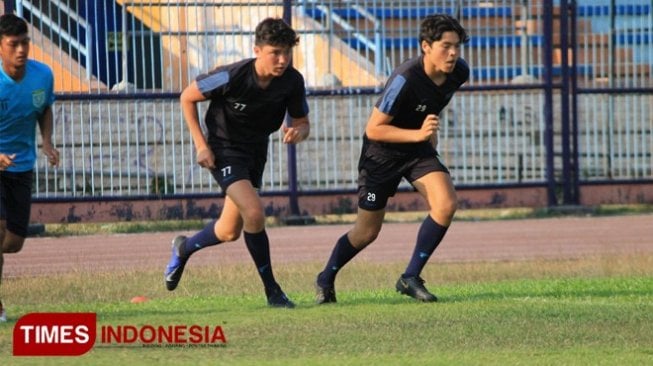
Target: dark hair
[275, 32]
[433, 26]
[12, 25]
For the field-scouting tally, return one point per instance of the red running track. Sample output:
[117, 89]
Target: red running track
[551, 238]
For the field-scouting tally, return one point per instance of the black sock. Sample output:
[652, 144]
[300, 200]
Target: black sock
[342, 253]
[430, 234]
[259, 248]
[204, 238]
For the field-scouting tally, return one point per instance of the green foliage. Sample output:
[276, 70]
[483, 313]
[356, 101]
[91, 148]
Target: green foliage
[66, 229]
[130, 227]
[161, 185]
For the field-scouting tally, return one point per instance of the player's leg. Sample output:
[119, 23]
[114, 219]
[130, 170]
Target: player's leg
[15, 205]
[3, 230]
[9, 243]
[440, 194]
[225, 229]
[366, 229]
[12, 243]
[378, 178]
[230, 224]
[3, 226]
[438, 190]
[245, 197]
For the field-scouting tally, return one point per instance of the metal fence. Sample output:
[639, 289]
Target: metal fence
[560, 92]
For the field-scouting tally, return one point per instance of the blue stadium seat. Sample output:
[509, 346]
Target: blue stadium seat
[474, 41]
[604, 10]
[634, 38]
[413, 13]
[499, 72]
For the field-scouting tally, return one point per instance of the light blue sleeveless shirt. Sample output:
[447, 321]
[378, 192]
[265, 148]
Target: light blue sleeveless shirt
[21, 105]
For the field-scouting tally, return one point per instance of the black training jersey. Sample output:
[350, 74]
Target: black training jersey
[240, 111]
[410, 95]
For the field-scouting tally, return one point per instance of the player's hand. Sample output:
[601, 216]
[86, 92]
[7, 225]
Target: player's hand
[206, 159]
[6, 161]
[292, 135]
[429, 127]
[51, 153]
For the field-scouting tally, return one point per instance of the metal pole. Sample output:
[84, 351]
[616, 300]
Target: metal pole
[125, 40]
[575, 186]
[611, 77]
[525, 46]
[547, 61]
[379, 49]
[83, 7]
[8, 6]
[564, 104]
[329, 41]
[293, 196]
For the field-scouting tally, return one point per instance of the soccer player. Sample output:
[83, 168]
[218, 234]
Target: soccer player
[26, 97]
[400, 141]
[248, 101]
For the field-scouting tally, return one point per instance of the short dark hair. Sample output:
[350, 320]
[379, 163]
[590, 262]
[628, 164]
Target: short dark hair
[275, 32]
[12, 25]
[433, 26]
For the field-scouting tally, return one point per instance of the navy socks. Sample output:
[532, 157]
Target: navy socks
[204, 238]
[257, 244]
[342, 253]
[259, 248]
[430, 234]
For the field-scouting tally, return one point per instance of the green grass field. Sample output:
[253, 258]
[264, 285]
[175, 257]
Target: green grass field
[512, 213]
[595, 311]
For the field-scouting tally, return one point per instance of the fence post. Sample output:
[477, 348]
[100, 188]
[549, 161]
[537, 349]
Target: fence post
[292, 151]
[8, 6]
[575, 155]
[293, 199]
[568, 104]
[547, 61]
[564, 104]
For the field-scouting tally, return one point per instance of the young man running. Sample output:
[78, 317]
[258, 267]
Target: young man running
[248, 101]
[400, 141]
[26, 97]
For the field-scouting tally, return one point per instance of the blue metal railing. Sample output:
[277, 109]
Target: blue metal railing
[550, 131]
[82, 43]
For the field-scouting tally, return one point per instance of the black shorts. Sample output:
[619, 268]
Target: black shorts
[16, 200]
[380, 170]
[233, 165]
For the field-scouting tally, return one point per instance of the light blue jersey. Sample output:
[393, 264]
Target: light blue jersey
[21, 105]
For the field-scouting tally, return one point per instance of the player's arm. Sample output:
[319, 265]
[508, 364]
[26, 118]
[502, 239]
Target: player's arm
[379, 129]
[45, 125]
[189, 99]
[298, 131]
